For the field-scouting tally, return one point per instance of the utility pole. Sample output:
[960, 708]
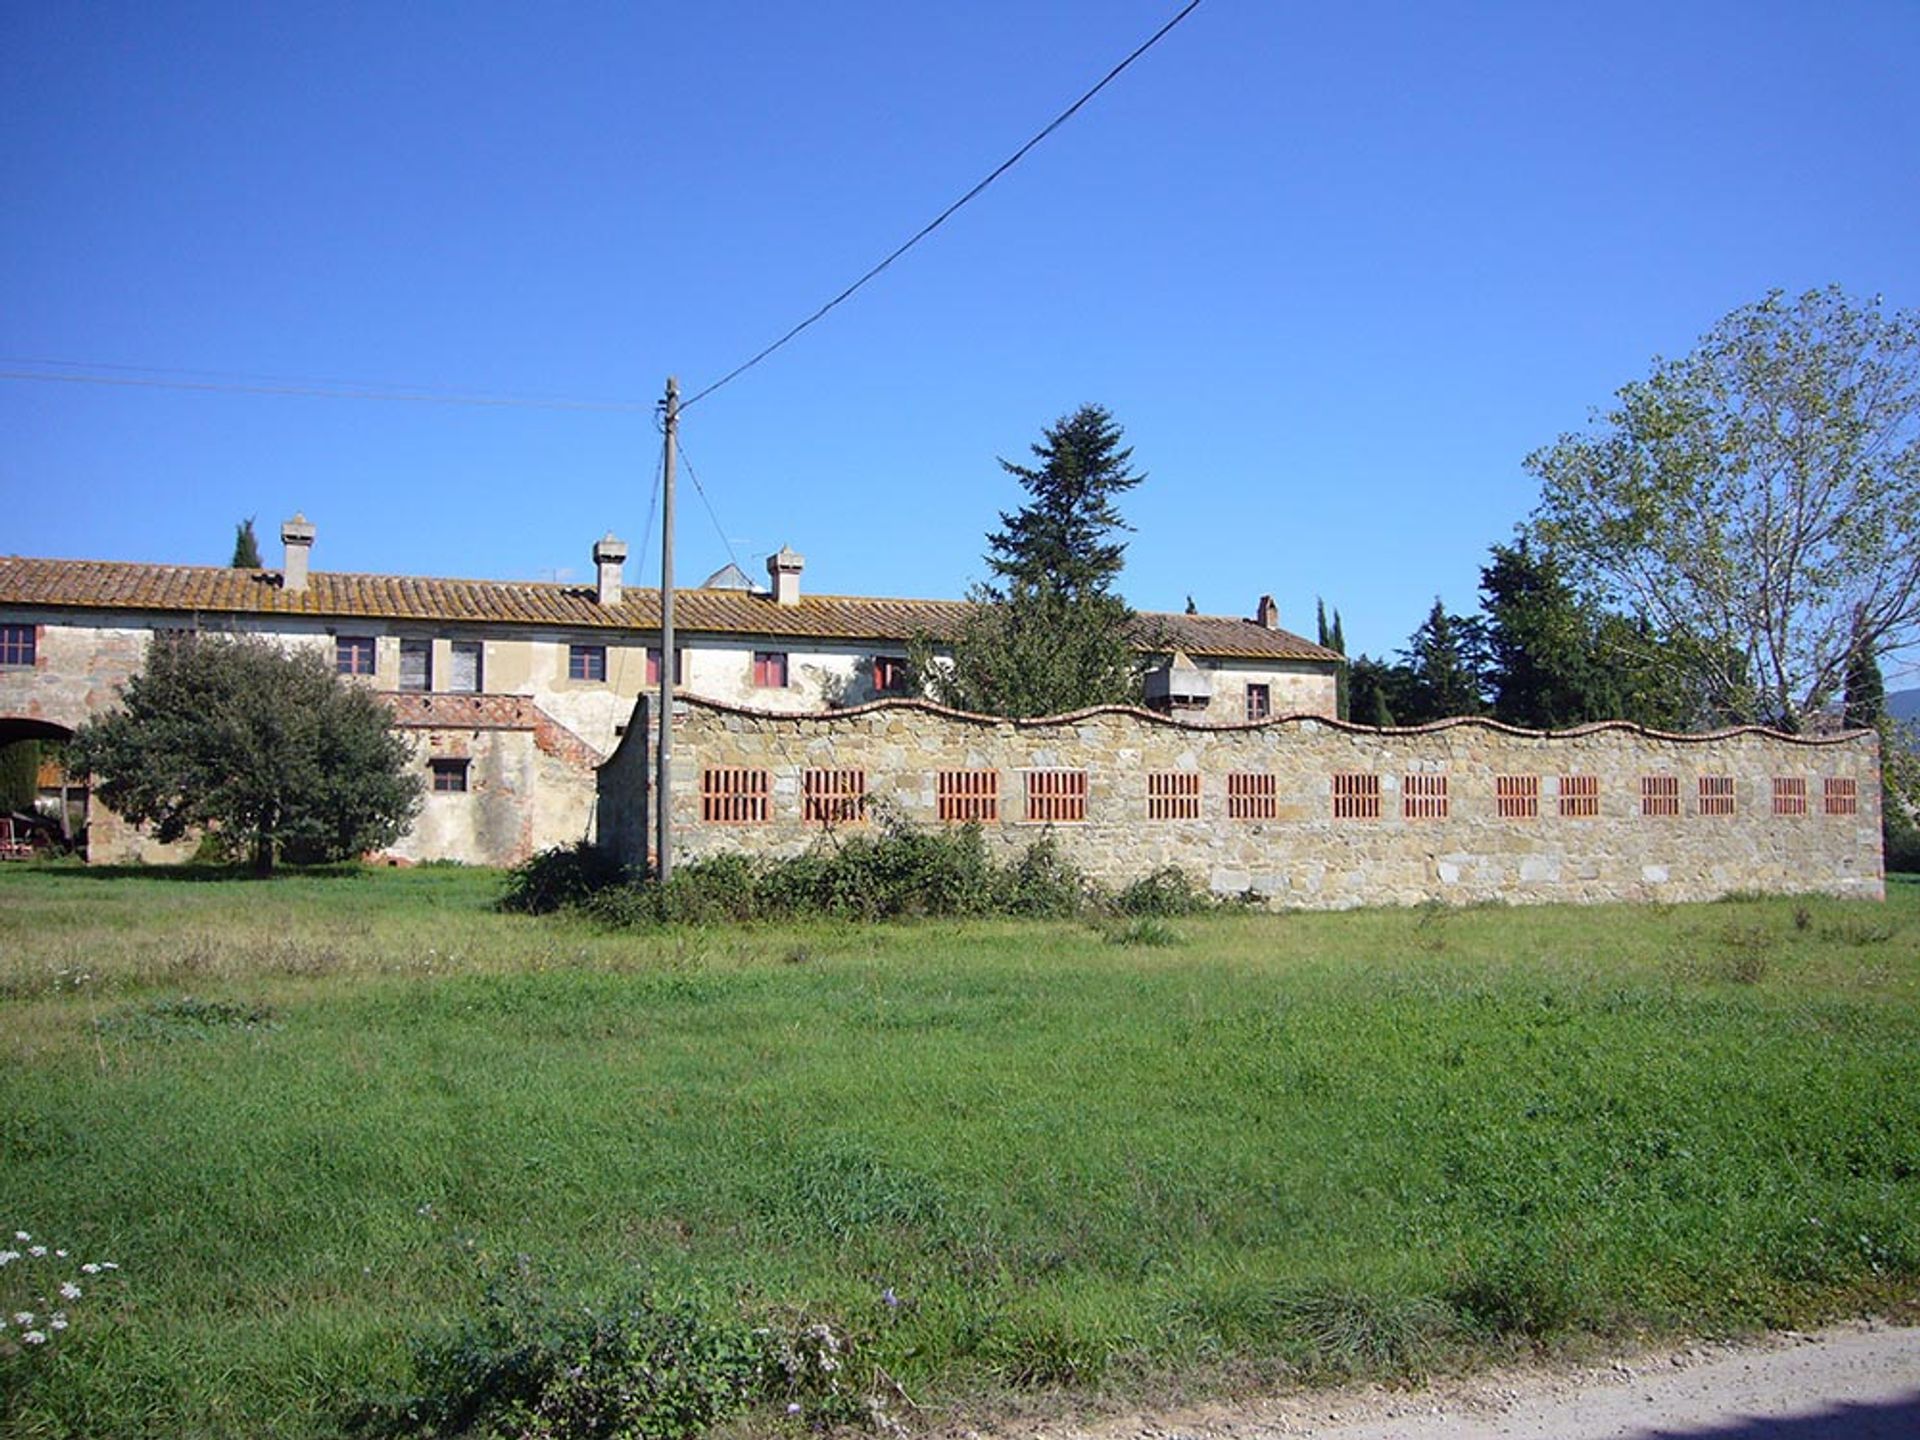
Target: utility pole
[663, 785]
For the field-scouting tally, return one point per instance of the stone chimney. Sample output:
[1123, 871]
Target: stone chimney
[297, 535]
[783, 569]
[1267, 614]
[609, 555]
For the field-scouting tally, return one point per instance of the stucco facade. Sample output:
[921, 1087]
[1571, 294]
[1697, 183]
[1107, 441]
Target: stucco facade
[489, 673]
[1303, 810]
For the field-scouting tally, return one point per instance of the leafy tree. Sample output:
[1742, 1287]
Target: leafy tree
[1758, 501]
[1049, 634]
[270, 753]
[246, 547]
[19, 776]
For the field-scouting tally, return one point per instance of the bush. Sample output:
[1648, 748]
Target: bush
[899, 872]
[641, 1368]
[1166, 892]
[1043, 884]
[557, 879]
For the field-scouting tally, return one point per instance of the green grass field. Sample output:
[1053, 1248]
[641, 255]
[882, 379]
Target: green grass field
[316, 1119]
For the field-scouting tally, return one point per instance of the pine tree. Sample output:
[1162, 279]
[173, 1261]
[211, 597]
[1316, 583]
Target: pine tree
[1866, 696]
[246, 548]
[1050, 634]
[1444, 655]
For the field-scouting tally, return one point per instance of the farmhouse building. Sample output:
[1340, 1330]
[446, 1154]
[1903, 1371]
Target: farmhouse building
[514, 693]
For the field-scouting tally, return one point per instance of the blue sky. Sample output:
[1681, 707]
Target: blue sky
[1336, 269]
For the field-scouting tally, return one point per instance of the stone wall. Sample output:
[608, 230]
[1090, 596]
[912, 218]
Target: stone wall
[1296, 850]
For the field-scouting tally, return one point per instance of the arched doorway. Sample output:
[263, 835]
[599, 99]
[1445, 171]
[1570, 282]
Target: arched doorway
[49, 812]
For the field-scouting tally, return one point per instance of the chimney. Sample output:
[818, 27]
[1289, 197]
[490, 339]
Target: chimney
[297, 535]
[783, 569]
[1267, 614]
[609, 555]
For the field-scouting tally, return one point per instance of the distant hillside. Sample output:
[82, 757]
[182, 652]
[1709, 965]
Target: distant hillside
[1904, 704]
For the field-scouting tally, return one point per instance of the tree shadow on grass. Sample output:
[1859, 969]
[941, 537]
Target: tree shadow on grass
[205, 874]
[1896, 1419]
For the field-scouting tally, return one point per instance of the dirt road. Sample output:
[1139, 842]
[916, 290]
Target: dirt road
[1850, 1383]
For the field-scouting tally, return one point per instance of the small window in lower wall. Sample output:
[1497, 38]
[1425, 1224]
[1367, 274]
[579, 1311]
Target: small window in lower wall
[1423, 797]
[449, 776]
[734, 795]
[1356, 797]
[968, 796]
[1716, 795]
[1056, 795]
[1173, 795]
[834, 797]
[1517, 796]
[1251, 796]
[1579, 797]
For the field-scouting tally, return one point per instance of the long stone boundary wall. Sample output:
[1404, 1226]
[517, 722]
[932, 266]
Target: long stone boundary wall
[1295, 811]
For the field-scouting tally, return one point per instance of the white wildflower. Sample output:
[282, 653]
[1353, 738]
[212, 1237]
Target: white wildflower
[23, 1318]
[90, 1268]
[61, 1253]
[37, 1251]
[58, 1321]
[69, 1291]
[7, 1257]
[21, 1235]
[108, 1265]
[35, 1337]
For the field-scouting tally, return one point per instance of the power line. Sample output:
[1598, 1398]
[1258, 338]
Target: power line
[718, 528]
[941, 218]
[155, 378]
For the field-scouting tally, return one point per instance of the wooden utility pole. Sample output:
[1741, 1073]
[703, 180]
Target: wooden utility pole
[663, 785]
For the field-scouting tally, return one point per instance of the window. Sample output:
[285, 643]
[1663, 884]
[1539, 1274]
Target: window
[1423, 797]
[1173, 795]
[1517, 797]
[416, 665]
[1259, 702]
[353, 654]
[1251, 797]
[466, 678]
[1356, 797]
[967, 795]
[449, 776]
[1579, 797]
[1789, 795]
[18, 644]
[733, 795]
[1659, 794]
[1056, 795]
[834, 797]
[770, 669]
[1843, 796]
[1716, 795]
[653, 666]
[890, 675]
[587, 662]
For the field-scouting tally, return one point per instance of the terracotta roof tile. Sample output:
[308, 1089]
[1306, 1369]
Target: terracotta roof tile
[206, 589]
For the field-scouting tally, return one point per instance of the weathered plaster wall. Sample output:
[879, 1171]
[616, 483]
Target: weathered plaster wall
[1304, 856]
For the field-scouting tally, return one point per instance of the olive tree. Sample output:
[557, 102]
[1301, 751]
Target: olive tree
[270, 753]
[1757, 502]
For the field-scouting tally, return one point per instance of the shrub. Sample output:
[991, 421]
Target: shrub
[1166, 892]
[1043, 884]
[641, 1368]
[556, 879]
